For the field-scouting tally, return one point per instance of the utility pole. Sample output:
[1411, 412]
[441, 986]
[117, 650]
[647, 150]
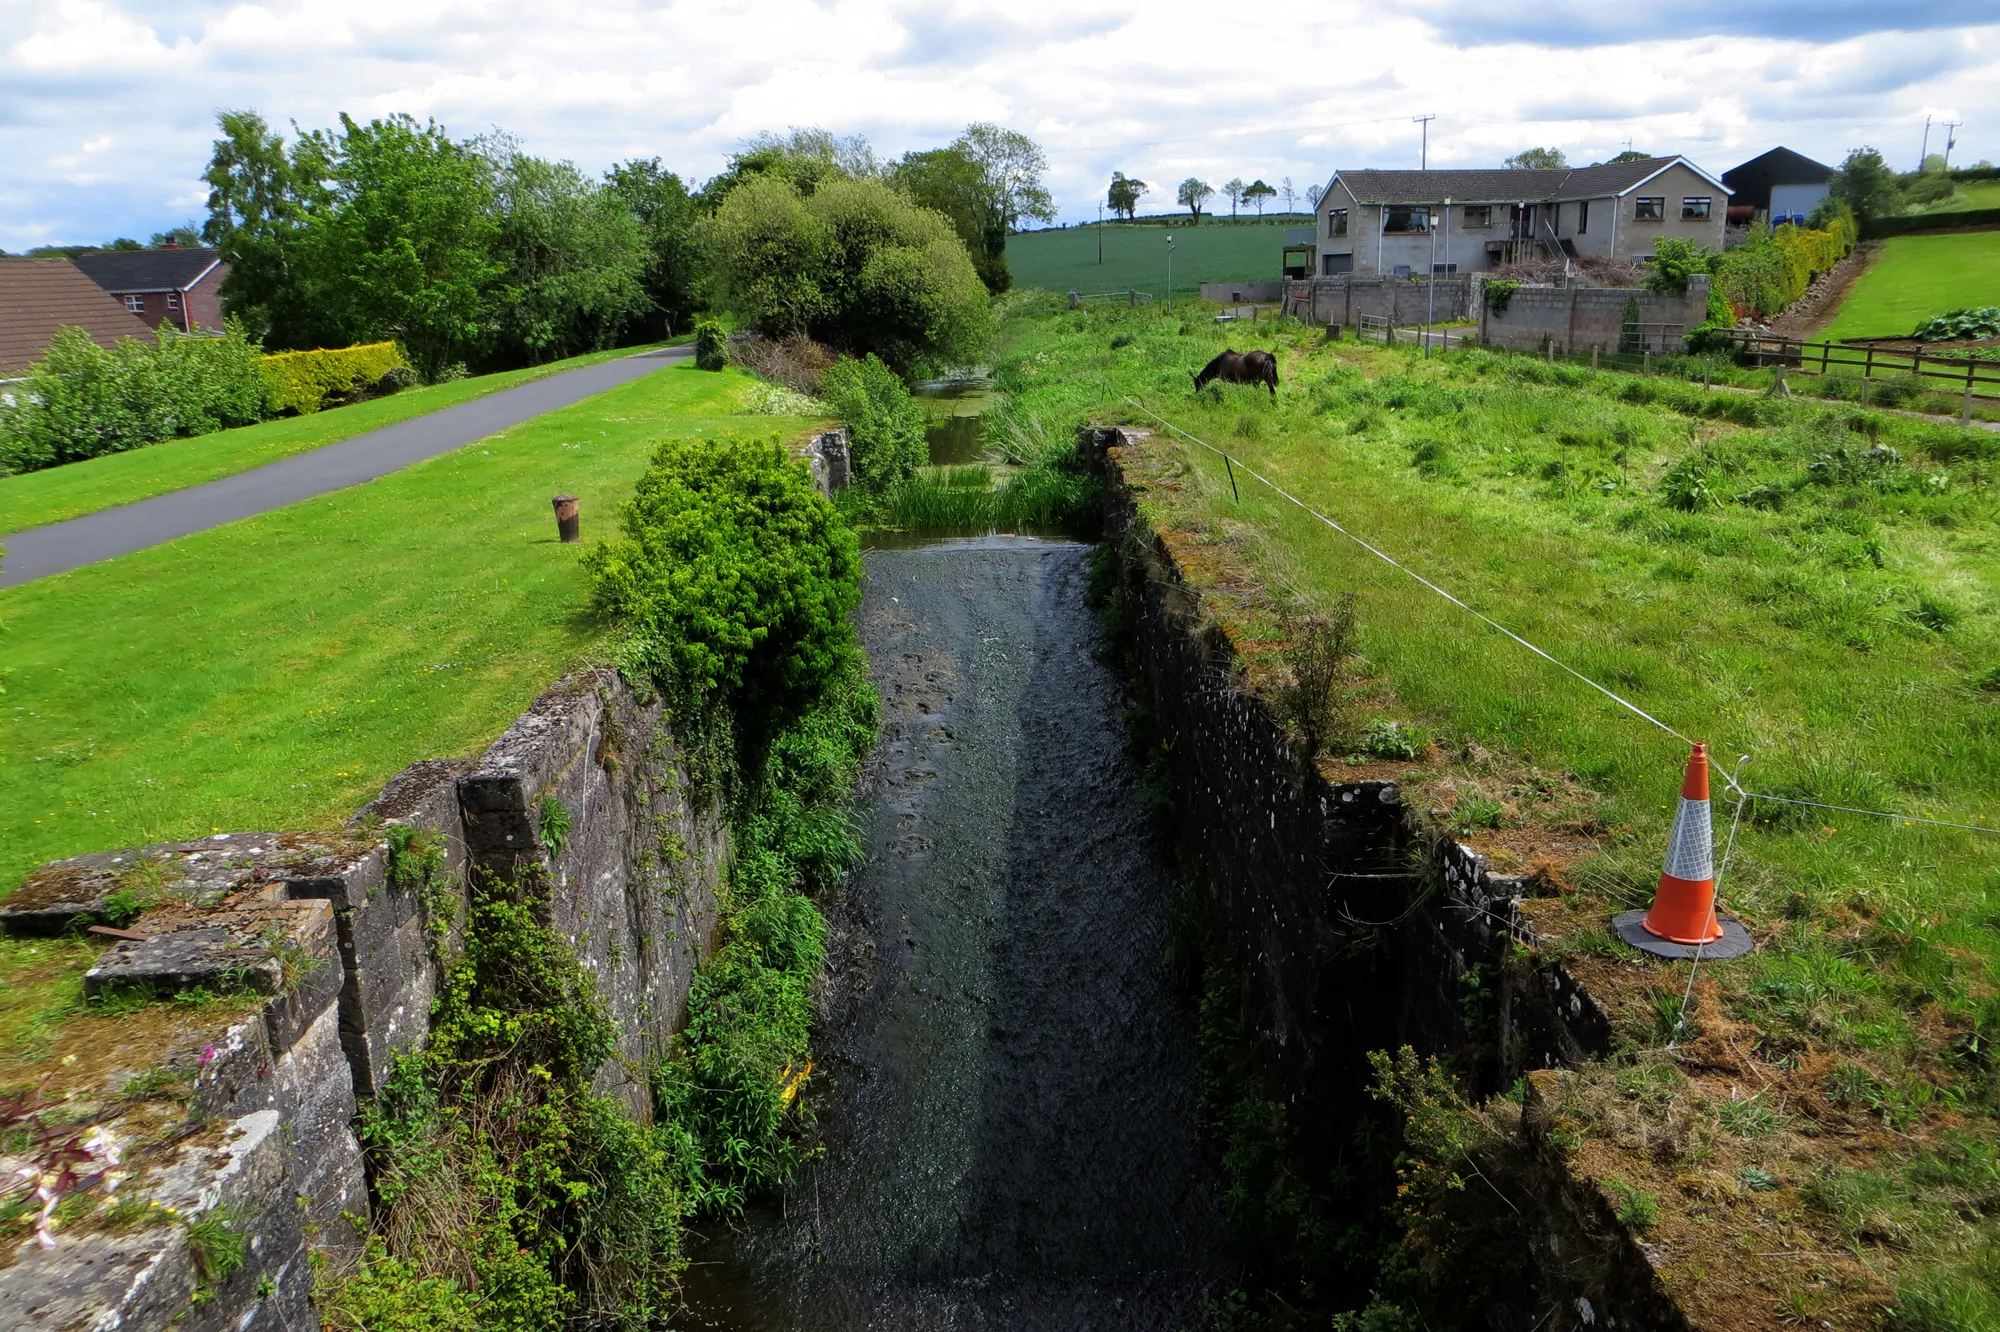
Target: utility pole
[1170, 272]
[1100, 233]
[1924, 152]
[1431, 291]
[1951, 130]
[1424, 161]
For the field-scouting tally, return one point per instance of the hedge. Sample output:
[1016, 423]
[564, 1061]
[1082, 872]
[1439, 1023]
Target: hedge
[1880, 227]
[302, 381]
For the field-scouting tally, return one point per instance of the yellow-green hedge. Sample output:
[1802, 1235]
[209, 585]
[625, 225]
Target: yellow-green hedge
[302, 381]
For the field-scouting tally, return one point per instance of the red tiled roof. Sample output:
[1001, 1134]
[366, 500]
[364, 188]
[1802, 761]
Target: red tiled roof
[39, 296]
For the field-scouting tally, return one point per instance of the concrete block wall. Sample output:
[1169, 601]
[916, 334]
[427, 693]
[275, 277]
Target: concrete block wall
[342, 967]
[1581, 319]
[1406, 300]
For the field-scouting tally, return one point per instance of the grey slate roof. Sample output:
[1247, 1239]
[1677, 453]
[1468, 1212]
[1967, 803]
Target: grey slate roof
[1502, 185]
[122, 271]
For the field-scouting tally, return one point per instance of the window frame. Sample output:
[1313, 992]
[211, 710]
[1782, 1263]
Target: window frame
[1336, 223]
[1659, 208]
[1583, 217]
[1697, 207]
[134, 304]
[1486, 217]
[1410, 213]
[173, 300]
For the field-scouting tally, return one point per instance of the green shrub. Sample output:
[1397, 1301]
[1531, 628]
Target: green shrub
[711, 345]
[306, 381]
[733, 580]
[1953, 325]
[81, 401]
[888, 444]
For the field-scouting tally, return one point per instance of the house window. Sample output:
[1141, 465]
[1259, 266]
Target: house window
[1694, 208]
[1336, 222]
[1646, 209]
[135, 303]
[1408, 219]
[1444, 268]
[1582, 217]
[1478, 215]
[173, 300]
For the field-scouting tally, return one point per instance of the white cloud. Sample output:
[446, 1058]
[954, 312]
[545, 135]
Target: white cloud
[106, 106]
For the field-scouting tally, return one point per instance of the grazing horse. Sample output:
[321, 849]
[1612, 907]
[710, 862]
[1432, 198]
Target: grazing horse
[1257, 367]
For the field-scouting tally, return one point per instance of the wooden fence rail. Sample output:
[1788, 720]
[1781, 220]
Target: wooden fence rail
[1963, 374]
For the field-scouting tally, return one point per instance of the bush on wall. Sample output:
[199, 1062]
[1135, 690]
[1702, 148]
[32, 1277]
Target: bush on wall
[305, 381]
[81, 401]
[889, 443]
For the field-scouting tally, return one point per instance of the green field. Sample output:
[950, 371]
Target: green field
[1135, 256]
[1978, 194]
[56, 493]
[1917, 277]
[272, 674]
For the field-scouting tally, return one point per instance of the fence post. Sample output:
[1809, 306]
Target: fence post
[1965, 412]
[1707, 362]
[1645, 359]
[1593, 356]
[1868, 366]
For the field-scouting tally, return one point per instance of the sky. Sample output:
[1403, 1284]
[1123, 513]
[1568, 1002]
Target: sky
[107, 107]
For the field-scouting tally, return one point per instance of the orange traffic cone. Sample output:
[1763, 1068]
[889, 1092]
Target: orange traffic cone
[1684, 908]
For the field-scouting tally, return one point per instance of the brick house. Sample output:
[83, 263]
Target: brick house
[39, 296]
[1387, 221]
[169, 286]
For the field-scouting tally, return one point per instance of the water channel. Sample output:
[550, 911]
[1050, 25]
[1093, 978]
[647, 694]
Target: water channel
[1006, 1098]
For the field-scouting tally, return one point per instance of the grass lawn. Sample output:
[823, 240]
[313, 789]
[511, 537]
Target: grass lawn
[1812, 585]
[1135, 256]
[272, 674]
[56, 493]
[1917, 277]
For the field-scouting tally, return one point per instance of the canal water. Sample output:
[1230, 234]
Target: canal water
[1006, 1093]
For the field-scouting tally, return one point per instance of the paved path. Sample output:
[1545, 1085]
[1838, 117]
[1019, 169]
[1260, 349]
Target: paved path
[58, 547]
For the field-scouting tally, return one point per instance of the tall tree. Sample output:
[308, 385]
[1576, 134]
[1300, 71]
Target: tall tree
[806, 156]
[572, 259]
[675, 265]
[1865, 183]
[1123, 196]
[1014, 167]
[1291, 195]
[1192, 194]
[951, 182]
[256, 201]
[1537, 159]
[403, 244]
[1256, 192]
[1314, 193]
[1233, 189]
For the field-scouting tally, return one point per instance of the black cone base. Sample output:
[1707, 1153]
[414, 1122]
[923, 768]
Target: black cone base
[1735, 940]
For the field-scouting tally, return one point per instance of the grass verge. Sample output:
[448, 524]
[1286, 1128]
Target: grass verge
[1917, 277]
[54, 494]
[275, 672]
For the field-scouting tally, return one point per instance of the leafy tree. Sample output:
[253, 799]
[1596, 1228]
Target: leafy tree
[403, 243]
[183, 237]
[855, 265]
[1629, 155]
[1123, 196]
[805, 157]
[675, 266]
[1256, 192]
[1233, 189]
[1013, 166]
[256, 204]
[1537, 159]
[949, 181]
[888, 444]
[1314, 193]
[1675, 260]
[1192, 193]
[1865, 184]
[572, 259]
[733, 578]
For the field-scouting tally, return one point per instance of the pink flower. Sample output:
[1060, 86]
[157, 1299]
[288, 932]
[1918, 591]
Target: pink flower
[207, 1057]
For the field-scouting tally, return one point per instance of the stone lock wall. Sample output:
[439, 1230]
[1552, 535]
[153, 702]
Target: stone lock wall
[1581, 319]
[586, 789]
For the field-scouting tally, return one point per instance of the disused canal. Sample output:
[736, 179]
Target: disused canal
[1006, 1100]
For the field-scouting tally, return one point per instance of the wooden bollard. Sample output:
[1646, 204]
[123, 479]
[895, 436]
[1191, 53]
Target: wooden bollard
[568, 525]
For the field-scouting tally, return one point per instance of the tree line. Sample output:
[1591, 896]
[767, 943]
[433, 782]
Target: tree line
[1193, 194]
[475, 252]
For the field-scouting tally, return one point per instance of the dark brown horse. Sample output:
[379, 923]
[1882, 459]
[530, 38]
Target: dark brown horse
[1257, 367]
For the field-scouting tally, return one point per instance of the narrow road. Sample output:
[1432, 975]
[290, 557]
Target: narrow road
[108, 533]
